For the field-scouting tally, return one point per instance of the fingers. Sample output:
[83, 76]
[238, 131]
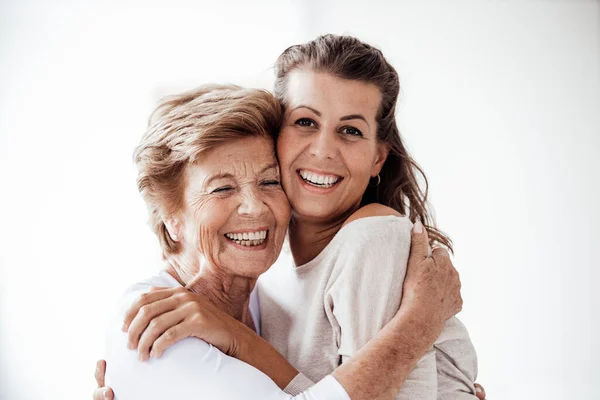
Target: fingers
[144, 317]
[479, 391]
[144, 299]
[442, 260]
[440, 254]
[100, 372]
[103, 393]
[168, 338]
[157, 288]
[419, 246]
[155, 329]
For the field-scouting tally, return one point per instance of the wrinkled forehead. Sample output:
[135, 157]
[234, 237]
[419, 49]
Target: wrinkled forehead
[245, 158]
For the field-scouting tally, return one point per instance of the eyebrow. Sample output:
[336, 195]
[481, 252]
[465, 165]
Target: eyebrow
[344, 118]
[224, 175]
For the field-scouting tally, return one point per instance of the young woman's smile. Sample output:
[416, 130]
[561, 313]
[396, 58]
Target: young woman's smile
[327, 147]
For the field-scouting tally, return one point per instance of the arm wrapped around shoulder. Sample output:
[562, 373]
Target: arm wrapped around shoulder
[365, 294]
[366, 291]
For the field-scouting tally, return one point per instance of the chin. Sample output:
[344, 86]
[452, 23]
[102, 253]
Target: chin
[315, 210]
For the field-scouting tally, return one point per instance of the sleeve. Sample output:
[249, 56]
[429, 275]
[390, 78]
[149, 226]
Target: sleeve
[299, 384]
[366, 291]
[193, 369]
[456, 361]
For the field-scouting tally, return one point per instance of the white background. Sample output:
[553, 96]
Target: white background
[500, 105]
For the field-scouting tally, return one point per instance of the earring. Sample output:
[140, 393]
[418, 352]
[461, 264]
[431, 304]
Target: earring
[378, 181]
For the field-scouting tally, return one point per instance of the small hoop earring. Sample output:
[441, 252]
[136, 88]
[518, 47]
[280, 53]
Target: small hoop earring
[378, 181]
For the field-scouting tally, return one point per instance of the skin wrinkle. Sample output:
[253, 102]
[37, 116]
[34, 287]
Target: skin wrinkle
[209, 263]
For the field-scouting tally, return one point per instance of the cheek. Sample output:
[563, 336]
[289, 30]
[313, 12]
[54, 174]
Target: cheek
[286, 147]
[283, 210]
[356, 158]
[211, 218]
[279, 205]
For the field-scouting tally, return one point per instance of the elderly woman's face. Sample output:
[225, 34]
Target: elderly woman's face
[235, 212]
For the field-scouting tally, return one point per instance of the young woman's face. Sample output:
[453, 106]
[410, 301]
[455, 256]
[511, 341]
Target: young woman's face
[327, 146]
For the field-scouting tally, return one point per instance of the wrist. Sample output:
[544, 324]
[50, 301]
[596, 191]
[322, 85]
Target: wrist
[243, 338]
[422, 328]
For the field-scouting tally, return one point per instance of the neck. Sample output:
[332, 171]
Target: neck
[229, 292]
[309, 237]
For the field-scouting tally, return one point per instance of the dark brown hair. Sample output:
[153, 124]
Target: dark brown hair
[182, 128]
[348, 58]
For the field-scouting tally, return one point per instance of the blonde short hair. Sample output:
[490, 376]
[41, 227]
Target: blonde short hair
[182, 128]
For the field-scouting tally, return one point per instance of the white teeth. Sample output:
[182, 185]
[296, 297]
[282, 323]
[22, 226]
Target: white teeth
[248, 238]
[322, 180]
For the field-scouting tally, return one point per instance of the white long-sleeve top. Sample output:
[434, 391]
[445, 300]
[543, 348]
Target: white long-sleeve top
[192, 368]
[319, 314]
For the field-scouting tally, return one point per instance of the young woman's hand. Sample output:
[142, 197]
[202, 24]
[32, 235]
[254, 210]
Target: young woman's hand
[161, 317]
[432, 285]
[102, 392]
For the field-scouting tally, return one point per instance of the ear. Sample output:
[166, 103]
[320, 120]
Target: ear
[382, 153]
[174, 228]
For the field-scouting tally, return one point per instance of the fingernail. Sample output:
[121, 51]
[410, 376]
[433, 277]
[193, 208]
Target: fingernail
[124, 327]
[418, 228]
[130, 346]
[478, 389]
[105, 393]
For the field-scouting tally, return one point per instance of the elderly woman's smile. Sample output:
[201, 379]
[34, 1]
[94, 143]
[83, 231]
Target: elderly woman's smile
[234, 213]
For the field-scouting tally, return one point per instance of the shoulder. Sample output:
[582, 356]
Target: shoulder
[372, 210]
[374, 240]
[161, 279]
[376, 223]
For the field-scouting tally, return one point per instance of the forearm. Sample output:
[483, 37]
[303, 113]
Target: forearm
[381, 366]
[257, 352]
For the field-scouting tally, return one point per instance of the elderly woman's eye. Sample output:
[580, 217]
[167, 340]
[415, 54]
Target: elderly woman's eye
[272, 182]
[305, 122]
[350, 130]
[222, 189]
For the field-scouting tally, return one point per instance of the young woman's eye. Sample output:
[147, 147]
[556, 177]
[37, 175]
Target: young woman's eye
[222, 189]
[305, 122]
[350, 130]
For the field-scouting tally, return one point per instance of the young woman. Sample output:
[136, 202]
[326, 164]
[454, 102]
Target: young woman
[353, 189]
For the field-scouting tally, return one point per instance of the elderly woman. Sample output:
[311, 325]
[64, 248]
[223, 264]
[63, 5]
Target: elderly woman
[210, 178]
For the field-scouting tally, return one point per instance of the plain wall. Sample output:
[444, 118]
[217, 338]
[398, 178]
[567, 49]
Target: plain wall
[500, 106]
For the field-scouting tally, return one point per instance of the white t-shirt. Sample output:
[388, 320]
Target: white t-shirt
[192, 368]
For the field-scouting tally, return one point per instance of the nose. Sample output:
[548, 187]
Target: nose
[252, 203]
[323, 145]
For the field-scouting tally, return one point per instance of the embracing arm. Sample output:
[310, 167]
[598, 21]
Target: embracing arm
[193, 369]
[431, 295]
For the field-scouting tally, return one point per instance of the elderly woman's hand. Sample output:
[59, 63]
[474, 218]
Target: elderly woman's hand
[162, 317]
[432, 285]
